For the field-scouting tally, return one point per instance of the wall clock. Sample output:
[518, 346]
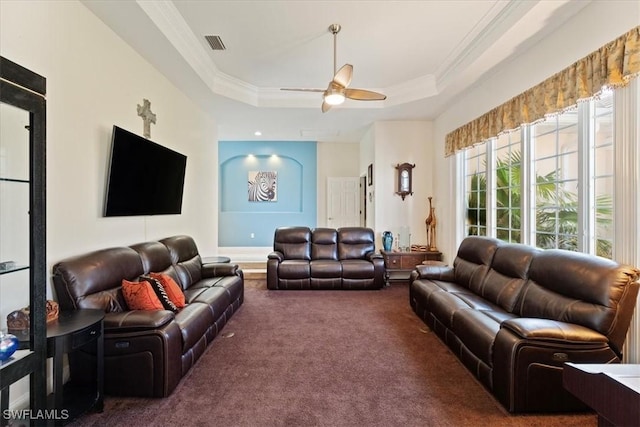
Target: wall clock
[404, 179]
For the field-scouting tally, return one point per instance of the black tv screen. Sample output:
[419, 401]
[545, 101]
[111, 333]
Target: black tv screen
[144, 178]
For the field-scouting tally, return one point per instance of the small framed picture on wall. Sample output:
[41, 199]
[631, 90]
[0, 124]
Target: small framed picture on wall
[370, 174]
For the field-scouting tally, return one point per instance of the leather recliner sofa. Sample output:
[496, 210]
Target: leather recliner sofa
[324, 258]
[514, 314]
[146, 353]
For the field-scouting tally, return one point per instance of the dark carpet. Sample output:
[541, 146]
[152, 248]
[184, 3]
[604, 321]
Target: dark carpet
[325, 358]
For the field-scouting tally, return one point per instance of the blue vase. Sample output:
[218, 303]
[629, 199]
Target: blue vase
[8, 346]
[387, 240]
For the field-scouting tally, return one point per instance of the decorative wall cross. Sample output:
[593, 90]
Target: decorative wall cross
[148, 117]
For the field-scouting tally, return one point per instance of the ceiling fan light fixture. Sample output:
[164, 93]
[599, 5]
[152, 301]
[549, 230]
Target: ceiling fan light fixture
[334, 96]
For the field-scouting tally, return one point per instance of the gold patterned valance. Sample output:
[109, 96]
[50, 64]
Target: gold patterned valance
[612, 65]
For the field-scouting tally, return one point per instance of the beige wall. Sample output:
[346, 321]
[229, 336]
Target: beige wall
[335, 160]
[95, 80]
[396, 142]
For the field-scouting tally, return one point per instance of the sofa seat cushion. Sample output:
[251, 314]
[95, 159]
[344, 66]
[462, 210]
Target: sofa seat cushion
[477, 331]
[451, 287]
[422, 290]
[444, 304]
[326, 269]
[234, 286]
[194, 320]
[217, 298]
[477, 302]
[294, 269]
[357, 269]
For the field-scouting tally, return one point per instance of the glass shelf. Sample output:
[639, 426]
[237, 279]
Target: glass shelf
[14, 269]
[23, 181]
[15, 357]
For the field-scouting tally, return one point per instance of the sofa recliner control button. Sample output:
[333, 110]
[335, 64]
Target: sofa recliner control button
[563, 357]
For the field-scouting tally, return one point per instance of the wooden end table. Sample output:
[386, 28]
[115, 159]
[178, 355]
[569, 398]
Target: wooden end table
[399, 265]
[71, 331]
[612, 390]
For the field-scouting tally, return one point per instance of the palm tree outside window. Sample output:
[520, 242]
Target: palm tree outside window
[570, 158]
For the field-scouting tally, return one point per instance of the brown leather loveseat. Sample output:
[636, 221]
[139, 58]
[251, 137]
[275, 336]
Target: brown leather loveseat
[146, 353]
[513, 314]
[324, 258]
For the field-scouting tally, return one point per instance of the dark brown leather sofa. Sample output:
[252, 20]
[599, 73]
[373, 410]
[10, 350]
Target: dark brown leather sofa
[146, 353]
[514, 314]
[324, 258]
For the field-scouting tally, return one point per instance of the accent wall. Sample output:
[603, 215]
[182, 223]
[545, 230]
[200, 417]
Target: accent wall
[287, 198]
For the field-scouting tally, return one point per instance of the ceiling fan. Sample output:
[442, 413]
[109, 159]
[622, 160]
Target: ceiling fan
[338, 88]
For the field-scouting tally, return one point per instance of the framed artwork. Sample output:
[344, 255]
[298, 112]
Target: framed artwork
[370, 174]
[263, 186]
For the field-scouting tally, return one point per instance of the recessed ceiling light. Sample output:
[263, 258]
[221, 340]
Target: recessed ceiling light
[257, 133]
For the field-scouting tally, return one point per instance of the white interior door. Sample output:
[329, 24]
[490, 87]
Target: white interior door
[343, 202]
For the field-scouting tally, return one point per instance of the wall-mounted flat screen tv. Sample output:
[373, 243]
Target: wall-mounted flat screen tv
[145, 178]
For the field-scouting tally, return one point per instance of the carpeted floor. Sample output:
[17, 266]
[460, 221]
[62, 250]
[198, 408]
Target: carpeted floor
[325, 358]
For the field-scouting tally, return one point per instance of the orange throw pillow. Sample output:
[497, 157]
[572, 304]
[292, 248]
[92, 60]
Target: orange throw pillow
[171, 288]
[140, 296]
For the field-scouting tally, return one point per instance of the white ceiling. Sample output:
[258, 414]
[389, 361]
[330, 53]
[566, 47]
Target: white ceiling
[421, 54]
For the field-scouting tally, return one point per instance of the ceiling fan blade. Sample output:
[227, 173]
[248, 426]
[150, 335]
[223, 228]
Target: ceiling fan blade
[325, 107]
[364, 95]
[302, 89]
[343, 76]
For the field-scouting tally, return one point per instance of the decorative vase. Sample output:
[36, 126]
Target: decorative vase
[8, 345]
[387, 240]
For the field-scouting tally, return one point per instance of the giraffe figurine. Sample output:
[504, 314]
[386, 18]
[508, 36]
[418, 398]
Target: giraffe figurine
[432, 228]
[428, 223]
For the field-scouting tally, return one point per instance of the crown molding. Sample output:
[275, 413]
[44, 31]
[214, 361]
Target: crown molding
[166, 17]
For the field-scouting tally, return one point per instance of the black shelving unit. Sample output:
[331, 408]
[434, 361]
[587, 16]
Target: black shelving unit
[26, 90]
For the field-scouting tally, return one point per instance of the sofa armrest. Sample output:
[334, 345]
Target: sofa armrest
[374, 255]
[279, 256]
[552, 330]
[217, 269]
[136, 320]
[436, 272]
[528, 356]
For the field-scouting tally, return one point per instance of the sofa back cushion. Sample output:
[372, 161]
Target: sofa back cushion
[324, 243]
[186, 259]
[155, 257]
[583, 289]
[94, 280]
[293, 242]
[507, 275]
[473, 259]
[355, 242]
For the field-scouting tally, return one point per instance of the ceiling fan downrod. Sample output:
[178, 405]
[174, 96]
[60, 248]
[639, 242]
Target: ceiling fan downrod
[335, 29]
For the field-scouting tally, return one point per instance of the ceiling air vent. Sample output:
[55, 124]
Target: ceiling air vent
[215, 42]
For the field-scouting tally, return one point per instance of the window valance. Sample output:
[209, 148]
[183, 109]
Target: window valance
[612, 65]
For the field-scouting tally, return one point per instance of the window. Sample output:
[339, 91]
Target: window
[550, 184]
[555, 168]
[476, 190]
[507, 172]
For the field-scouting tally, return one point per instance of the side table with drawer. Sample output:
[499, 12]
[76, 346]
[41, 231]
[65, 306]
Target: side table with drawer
[399, 265]
[72, 331]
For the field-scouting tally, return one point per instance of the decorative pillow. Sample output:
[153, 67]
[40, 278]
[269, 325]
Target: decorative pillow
[160, 293]
[140, 296]
[172, 288]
